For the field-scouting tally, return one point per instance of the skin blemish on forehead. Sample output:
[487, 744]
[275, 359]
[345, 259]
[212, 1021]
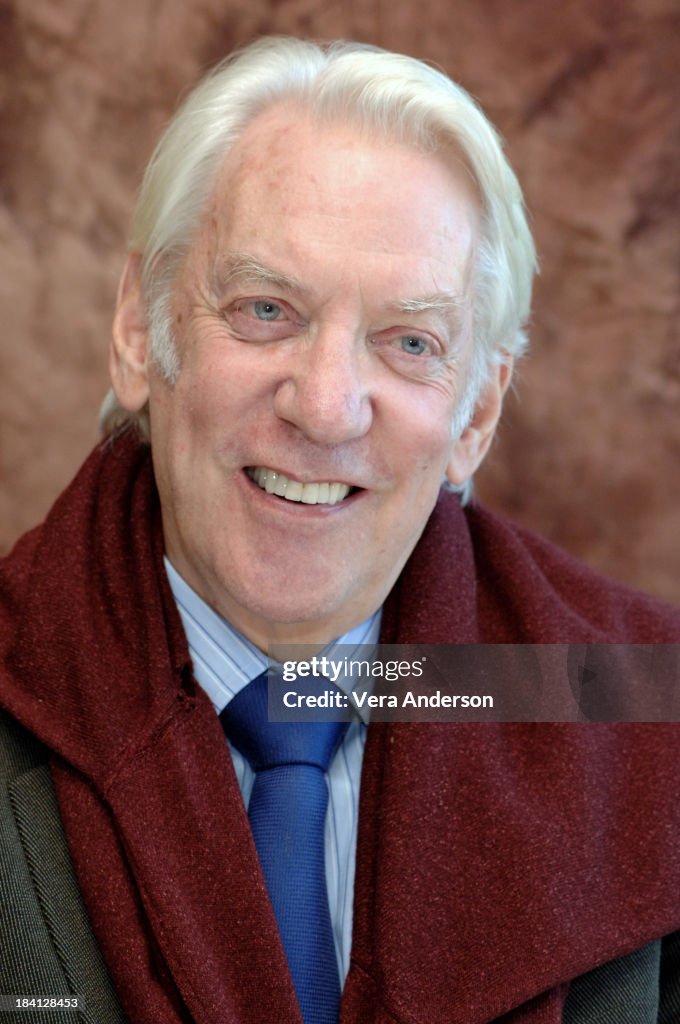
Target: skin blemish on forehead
[260, 152]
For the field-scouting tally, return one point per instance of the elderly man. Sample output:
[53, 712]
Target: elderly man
[328, 276]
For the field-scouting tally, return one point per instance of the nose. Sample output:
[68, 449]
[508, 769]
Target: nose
[325, 393]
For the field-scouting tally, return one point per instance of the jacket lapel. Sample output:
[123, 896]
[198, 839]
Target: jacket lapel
[57, 954]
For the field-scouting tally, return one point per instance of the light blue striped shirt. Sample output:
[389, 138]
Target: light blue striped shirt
[224, 662]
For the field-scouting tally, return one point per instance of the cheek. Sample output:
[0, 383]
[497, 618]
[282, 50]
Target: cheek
[204, 395]
[180, 430]
[224, 378]
[424, 441]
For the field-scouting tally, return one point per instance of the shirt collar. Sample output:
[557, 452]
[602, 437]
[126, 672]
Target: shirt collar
[225, 661]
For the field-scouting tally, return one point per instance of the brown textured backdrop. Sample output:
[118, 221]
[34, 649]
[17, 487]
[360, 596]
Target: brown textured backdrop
[586, 94]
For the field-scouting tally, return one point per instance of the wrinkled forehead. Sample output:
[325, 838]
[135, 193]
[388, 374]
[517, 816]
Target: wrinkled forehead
[271, 135]
[335, 176]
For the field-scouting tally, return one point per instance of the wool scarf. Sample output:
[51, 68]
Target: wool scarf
[494, 862]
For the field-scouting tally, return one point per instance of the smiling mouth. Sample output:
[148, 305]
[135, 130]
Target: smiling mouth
[322, 493]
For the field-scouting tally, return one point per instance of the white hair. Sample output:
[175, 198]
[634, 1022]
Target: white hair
[399, 98]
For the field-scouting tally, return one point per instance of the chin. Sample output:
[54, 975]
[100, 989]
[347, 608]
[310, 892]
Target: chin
[297, 618]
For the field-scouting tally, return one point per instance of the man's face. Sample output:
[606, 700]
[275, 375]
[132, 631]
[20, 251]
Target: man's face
[323, 327]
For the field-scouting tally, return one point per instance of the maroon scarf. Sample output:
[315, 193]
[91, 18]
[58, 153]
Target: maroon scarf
[494, 862]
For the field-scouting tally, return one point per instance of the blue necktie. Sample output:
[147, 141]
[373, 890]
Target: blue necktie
[287, 813]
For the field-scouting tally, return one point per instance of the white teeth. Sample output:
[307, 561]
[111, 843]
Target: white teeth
[274, 482]
[294, 490]
[310, 494]
[269, 481]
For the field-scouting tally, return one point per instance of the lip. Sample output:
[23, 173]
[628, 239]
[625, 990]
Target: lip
[299, 508]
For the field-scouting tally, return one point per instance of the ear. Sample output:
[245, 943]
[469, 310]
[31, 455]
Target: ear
[129, 355]
[468, 451]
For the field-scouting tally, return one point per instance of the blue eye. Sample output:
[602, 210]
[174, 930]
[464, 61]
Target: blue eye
[266, 310]
[414, 346]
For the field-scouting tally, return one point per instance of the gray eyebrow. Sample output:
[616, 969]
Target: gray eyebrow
[242, 264]
[437, 302]
[449, 306]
